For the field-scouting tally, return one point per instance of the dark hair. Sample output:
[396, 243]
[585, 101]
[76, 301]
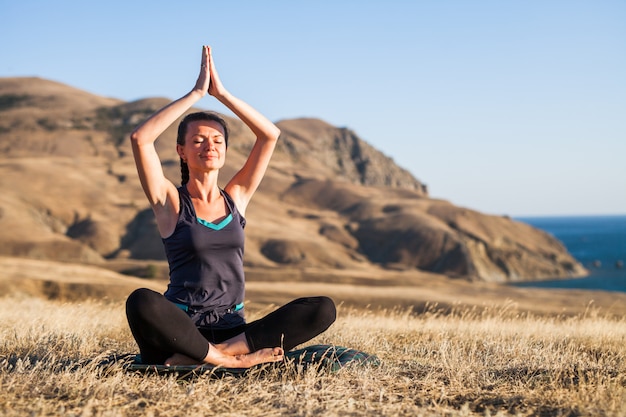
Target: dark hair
[182, 132]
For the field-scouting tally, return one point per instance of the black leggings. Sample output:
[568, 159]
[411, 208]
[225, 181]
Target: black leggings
[162, 329]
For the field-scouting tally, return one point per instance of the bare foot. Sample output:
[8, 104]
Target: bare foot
[260, 356]
[217, 357]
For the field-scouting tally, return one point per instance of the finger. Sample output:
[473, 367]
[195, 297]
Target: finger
[205, 57]
[212, 64]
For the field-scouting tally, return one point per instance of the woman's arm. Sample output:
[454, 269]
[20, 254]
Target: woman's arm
[243, 185]
[161, 192]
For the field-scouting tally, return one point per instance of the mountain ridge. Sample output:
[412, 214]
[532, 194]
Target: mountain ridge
[329, 200]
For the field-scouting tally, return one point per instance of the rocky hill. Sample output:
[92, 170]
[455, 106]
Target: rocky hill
[69, 192]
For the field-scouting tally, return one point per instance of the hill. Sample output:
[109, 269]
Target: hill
[330, 201]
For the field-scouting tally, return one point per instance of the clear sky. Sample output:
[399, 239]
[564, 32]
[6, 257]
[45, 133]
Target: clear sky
[507, 107]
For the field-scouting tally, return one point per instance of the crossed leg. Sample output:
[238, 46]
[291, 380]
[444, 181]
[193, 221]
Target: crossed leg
[165, 334]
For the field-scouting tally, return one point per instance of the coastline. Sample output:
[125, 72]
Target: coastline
[598, 242]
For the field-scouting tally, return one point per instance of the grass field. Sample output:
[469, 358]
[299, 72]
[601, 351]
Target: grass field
[467, 361]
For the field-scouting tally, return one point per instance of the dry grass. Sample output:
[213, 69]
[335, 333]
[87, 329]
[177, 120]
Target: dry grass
[488, 361]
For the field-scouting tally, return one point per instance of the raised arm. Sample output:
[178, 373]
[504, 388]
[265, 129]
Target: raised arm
[243, 185]
[161, 192]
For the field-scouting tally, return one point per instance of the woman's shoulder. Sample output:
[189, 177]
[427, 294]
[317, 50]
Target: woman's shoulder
[233, 206]
[185, 206]
[229, 200]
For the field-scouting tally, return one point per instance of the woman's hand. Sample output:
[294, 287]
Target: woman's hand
[204, 78]
[216, 88]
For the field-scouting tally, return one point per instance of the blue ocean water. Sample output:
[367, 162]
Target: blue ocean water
[598, 242]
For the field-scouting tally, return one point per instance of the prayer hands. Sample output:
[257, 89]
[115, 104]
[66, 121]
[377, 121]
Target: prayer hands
[208, 80]
[204, 78]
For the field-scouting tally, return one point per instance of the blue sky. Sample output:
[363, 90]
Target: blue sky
[506, 107]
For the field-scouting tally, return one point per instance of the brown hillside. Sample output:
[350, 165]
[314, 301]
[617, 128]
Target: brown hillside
[330, 201]
[344, 155]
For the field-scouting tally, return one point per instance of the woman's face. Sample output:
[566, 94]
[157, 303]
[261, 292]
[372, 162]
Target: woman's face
[205, 146]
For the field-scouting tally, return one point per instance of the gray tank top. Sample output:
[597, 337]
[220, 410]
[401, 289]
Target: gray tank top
[206, 265]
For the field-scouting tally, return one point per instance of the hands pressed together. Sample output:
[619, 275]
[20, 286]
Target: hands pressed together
[208, 80]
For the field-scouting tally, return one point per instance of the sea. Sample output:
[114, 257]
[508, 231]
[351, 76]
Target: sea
[598, 242]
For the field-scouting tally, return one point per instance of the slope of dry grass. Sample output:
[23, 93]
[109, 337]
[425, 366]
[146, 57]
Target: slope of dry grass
[490, 361]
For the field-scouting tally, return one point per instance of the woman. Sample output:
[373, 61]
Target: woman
[200, 317]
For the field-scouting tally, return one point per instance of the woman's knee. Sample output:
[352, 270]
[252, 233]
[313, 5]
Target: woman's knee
[142, 301]
[327, 311]
[322, 311]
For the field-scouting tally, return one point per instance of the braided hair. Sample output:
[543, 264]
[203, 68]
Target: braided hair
[182, 132]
